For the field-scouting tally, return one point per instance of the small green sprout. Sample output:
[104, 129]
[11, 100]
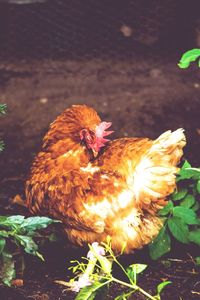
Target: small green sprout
[188, 57]
[95, 273]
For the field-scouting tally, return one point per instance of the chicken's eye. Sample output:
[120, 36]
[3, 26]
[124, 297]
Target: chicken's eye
[87, 136]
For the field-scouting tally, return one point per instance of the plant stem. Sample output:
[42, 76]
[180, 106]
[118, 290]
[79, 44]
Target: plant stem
[123, 269]
[135, 287]
[90, 266]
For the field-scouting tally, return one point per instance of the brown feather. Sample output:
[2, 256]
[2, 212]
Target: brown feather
[118, 194]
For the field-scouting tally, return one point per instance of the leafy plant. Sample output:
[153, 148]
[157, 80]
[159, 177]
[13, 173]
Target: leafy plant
[95, 273]
[2, 112]
[197, 260]
[188, 57]
[18, 234]
[180, 214]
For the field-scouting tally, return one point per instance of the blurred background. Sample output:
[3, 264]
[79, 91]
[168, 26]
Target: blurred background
[118, 56]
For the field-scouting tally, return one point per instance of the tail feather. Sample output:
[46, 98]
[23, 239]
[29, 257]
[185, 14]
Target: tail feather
[155, 175]
[170, 144]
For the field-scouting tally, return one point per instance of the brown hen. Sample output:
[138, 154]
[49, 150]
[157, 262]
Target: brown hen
[117, 194]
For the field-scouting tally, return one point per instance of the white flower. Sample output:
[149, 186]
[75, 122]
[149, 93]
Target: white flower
[95, 249]
[82, 282]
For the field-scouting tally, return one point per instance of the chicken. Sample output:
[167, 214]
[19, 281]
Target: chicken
[96, 193]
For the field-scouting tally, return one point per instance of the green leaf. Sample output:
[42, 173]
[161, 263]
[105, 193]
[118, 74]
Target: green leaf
[2, 244]
[34, 223]
[3, 108]
[4, 233]
[12, 221]
[7, 269]
[18, 219]
[89, 292]
[28, 243]
[105, 264]
[161, 286]
[2, 146]
[2, 219]
[188, 173]
[187, 215]
[166, 209]
[196, 206]
[197, 260]
[188, 201]
[186, 165]
[194, 236]
[135, 269]
[178, 229]
[198, 186]
[188, 57]
[161, 244]
[138, 268]
[179, 194]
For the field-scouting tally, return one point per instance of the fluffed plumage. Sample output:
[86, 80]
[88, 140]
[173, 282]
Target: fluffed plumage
[118, 193]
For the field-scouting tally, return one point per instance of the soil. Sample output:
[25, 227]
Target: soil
[143, 96]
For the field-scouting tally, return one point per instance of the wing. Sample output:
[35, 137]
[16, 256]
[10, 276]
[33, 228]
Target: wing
[108, 208]
[149, 166]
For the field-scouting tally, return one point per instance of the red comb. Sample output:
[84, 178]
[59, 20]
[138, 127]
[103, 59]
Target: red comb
[101, 129]
[101, 132]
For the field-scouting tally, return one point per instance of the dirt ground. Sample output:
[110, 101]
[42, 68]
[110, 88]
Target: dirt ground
[142, 97]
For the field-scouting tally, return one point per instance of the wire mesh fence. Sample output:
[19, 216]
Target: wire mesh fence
[107, 28]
